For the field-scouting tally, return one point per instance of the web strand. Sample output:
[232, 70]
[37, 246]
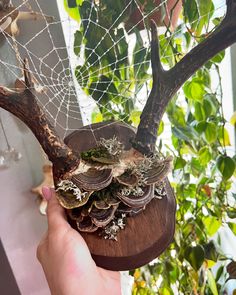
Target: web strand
[65, 100]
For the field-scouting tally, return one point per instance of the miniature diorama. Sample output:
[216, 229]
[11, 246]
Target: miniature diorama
[109, 176]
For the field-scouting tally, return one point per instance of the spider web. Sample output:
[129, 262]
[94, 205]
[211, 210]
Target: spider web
[63, 78]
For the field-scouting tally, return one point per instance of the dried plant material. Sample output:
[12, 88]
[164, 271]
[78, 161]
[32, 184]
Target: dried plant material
[10, 16]
[43, 207]
[47, 181]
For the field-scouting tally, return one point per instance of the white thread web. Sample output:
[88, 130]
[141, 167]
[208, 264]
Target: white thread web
[67, 95]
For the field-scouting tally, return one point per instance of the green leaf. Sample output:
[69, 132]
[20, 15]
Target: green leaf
[135, 117]
[77, 42]
[184, 133]
[97, 117]
[195, 256]
[208, 107]
[231, 213]
[232, 226]
[212, 282]
[201, 127]
[219, 272]
[233, 119]
[210, 251]
[161, 128]
[191, 12]
[226, 166]
[194, 90]
[206, 9]
[224, 137]
[176, 114]
[179, 163]
[212, 224]
[204, 155]
[199, 112]
[165, 291]
[210, 133]
[71, 7]
[219, 57]
[141, 58]
[196, 167]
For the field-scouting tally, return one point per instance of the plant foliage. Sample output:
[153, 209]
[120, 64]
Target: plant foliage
[203, 170]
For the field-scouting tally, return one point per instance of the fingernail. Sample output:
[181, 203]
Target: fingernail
[47, 193]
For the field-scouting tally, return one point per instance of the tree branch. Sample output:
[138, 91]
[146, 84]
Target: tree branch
[147, 130]
[24, 106]
[220, 39]
[167, 83]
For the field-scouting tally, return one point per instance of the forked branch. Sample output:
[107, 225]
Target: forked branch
[167, 83]
[24, 105]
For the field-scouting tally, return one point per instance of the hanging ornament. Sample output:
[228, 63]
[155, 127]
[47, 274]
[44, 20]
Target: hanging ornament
[10, 155]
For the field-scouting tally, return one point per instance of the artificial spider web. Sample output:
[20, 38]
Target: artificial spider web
[77, 79]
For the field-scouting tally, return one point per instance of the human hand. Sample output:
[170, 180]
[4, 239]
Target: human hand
[66, 260]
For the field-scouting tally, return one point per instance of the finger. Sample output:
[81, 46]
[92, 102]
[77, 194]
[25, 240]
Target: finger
[55, 214]
[42, 248]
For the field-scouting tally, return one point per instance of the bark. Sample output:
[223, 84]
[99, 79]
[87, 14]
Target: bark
[24, 106]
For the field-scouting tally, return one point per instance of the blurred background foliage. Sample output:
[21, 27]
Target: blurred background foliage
[116, 73]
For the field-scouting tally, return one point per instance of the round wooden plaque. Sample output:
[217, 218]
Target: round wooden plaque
[146, 235]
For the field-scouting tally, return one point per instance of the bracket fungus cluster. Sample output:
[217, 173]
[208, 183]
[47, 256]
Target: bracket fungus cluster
[113, 181]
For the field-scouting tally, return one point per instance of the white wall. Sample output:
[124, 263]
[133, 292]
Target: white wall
[21, 225]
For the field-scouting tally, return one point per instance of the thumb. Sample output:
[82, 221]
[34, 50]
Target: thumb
[55, 213]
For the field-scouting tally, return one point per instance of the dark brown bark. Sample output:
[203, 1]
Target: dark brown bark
[167, 83]
[24, 106]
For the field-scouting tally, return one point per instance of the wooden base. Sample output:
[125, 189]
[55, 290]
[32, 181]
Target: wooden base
[145, 236]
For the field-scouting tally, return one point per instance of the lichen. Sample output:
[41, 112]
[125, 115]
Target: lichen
[134, 190]
[113, 228]
[160, 190]
[67, 185]
[112, 145]
[106, 148]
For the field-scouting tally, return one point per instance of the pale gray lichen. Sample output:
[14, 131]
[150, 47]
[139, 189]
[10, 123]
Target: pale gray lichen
[112, 229]
[160, 190]
[112, 145]
[67, 185]
[133, 190]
